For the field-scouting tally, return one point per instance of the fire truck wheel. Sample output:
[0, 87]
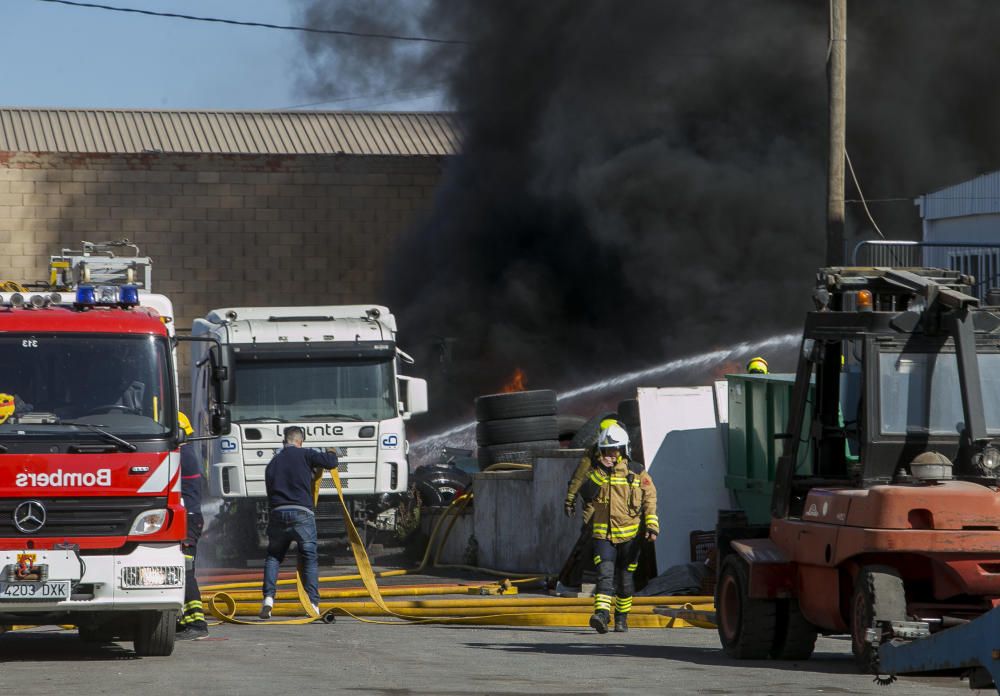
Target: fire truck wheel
[878, 594]
[746, 626]
[795, 638]
[154, 633]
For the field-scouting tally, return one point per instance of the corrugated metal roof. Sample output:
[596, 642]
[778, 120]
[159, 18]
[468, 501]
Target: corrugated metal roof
[979, 196]
[228, 132]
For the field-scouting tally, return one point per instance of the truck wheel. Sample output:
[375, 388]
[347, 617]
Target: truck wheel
[154, 633]
[795, 638]
[878, 594]
[747, 626]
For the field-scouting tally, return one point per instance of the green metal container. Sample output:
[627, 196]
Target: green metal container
[758, 409]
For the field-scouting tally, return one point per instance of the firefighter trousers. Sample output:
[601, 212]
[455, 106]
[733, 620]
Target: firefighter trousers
[616, 564]
[193, 615]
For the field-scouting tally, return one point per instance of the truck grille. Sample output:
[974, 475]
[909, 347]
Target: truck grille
[80, 517]
[330, 519]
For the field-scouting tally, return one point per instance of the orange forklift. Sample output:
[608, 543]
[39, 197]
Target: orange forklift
[885, 512]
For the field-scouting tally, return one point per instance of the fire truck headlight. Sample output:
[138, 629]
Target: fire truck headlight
[137, 577]
[149, 522]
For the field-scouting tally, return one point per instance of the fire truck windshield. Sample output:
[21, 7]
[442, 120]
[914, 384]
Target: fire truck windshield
[322, 390]
[56, 385]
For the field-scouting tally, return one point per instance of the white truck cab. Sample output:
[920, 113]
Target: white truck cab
[334, 371]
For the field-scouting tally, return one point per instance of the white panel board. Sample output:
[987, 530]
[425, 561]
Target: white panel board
[684, 455]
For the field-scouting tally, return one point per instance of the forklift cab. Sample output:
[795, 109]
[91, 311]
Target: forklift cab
[893, 363]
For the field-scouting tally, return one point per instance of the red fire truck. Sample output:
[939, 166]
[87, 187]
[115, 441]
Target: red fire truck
[91, 517]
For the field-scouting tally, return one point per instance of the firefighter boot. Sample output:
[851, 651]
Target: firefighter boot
[599, 621]
[621, 623]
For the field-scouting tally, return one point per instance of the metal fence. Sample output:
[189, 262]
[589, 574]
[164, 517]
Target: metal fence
[978, 259]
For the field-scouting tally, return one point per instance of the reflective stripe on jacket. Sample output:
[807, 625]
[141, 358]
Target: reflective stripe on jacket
[580, 477]
[625, 499]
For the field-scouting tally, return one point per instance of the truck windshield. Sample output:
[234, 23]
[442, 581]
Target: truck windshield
[322, 390]
[920, 393]
[55, 384]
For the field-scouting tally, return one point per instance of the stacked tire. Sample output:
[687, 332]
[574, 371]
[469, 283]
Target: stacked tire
[513, 427]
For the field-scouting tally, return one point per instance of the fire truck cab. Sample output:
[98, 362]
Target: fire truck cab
[91, 519]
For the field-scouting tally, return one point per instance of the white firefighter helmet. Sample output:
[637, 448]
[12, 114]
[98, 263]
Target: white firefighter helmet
[613, 436]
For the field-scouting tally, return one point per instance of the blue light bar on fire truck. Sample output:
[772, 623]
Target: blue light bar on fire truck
[107, 296]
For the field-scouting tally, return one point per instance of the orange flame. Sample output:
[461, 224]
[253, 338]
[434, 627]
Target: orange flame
[730, 367]
[516, 383]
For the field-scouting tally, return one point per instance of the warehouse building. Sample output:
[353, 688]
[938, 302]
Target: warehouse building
[961, 229]
[234, 208]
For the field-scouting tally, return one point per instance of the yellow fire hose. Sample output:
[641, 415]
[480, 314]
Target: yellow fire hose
[454, 510]
[528, 612]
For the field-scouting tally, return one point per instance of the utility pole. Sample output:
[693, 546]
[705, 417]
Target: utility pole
[837, 84]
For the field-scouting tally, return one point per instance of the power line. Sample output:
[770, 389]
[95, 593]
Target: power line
[861, 194]
[262, 25]
[417, 92]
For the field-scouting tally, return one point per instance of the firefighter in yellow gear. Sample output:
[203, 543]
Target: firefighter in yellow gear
[757, 366]
[582, 474]
[192, 624]
[622, 499]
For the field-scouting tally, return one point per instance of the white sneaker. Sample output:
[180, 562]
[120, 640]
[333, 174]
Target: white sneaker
[316, 610]
[265, 608]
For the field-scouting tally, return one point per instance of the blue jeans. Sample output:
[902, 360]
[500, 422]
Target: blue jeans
[284, 527]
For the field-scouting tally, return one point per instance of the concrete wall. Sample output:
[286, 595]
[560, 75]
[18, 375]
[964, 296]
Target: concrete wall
[518, 516]
[221, 230]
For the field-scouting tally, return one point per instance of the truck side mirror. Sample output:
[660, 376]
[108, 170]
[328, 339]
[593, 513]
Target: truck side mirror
[413, 393]
[223, 374]
[221, 421]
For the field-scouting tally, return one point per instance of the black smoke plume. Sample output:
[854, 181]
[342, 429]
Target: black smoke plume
[646, 179]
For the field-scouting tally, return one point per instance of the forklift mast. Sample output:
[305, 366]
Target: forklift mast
[861, 317]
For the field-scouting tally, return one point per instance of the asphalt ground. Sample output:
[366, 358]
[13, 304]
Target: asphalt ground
[350, 657]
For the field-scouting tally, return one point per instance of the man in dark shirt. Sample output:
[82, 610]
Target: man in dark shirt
[290, 477]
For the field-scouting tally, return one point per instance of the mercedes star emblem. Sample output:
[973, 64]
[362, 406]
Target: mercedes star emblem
[29, 516]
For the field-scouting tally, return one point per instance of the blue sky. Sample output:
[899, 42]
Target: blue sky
[61, 56]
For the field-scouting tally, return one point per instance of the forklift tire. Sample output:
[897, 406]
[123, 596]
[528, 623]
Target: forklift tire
[878, 593]
[747, 626]
[154, 633]
[795, 638]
